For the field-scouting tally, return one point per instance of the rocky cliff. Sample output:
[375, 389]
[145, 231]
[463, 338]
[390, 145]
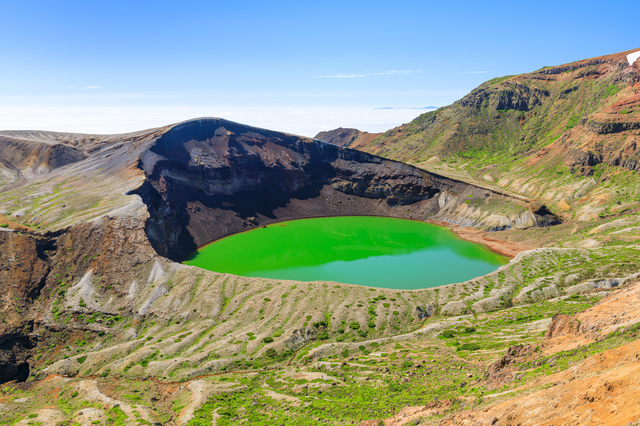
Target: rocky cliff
[207, 179]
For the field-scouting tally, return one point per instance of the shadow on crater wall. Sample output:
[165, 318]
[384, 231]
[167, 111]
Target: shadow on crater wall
[210, 178]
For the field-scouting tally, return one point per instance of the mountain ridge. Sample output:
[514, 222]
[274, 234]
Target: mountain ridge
[347, 137]
[514, 110]
[101, 323]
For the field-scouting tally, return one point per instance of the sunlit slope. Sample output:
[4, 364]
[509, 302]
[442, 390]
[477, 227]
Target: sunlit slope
[514, 115]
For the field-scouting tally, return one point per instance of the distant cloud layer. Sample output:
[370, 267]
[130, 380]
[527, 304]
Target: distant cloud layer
[103, 119]
[370, 74]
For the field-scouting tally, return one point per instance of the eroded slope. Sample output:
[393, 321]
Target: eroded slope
[82, 241]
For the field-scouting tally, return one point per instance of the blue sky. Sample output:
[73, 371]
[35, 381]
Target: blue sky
[301, 67]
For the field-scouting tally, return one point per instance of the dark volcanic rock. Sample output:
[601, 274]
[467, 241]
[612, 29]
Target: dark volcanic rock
[211, 178]
[14, 355]
[23, 270]
[607, 127]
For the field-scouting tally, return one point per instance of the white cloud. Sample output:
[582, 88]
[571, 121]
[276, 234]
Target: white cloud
[90, 87]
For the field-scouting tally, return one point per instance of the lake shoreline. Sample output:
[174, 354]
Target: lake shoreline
[367, 250]
[506, 248]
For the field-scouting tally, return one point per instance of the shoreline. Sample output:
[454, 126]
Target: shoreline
[509, 249]
[505, 248]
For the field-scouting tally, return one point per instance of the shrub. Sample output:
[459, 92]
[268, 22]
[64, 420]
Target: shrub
[272, 353]
[4, 225]
[469, 347]
[447, 334]
[268, 340]
[573, 121]
[226, 412]
[354, 325]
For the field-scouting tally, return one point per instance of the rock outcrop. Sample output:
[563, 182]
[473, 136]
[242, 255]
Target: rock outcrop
[503, 369]
[348, 138]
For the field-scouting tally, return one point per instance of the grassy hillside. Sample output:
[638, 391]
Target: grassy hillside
[565, 135]
[514, 115]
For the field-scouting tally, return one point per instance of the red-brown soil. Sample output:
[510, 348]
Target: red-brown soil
[603, 390]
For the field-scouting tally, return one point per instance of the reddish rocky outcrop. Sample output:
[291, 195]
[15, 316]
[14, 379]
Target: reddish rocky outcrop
[24, 266]
[503, 370]
[562, 325]
[348, 138]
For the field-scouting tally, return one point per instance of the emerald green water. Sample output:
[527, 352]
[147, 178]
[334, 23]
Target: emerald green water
[372, 251]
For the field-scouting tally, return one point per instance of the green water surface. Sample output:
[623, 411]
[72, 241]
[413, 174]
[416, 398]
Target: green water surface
[372, 251]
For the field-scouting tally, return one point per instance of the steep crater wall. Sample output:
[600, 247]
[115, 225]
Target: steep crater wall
[210, 178]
